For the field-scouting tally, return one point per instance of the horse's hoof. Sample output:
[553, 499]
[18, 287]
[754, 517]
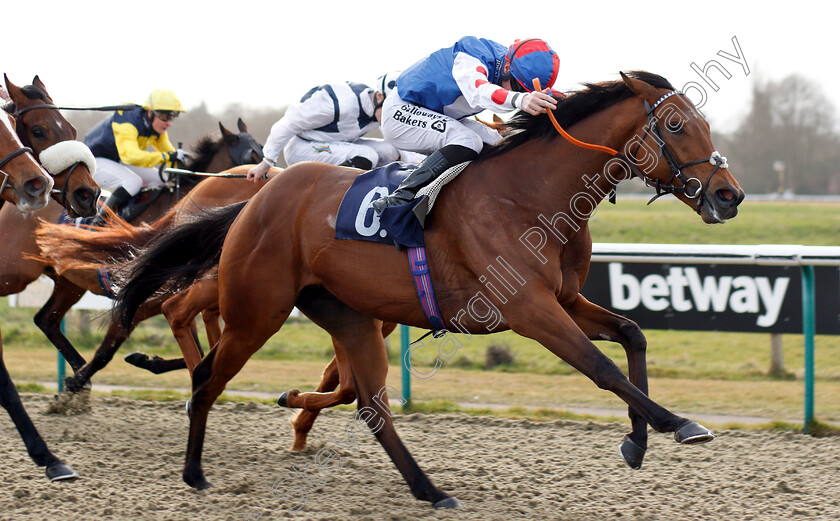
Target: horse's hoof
[198, 483]
[692, 433]
[283, 400]
[449, 502]
[136, 359]
[631, 453]
[60, 471]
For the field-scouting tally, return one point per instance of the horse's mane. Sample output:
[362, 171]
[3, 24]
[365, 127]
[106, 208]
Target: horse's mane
[31, 92]
[202, 154]
[571, 109]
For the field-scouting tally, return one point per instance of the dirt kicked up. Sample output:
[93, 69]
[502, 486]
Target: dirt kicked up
[130, 455]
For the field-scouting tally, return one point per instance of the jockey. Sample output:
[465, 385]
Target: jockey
[327, 125]
[120, 142]
[429, 112]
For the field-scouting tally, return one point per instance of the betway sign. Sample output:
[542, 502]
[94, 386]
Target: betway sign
[714, 297]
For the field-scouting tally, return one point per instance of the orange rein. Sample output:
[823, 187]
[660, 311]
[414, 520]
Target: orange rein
[569, 137]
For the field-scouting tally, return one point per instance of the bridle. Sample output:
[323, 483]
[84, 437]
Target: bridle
[676, 167]
[63, 192]
[5, 182]
[240, 153]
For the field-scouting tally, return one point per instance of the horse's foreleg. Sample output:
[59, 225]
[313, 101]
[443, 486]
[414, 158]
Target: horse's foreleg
[49, 317]
[598, 323]
[545, 321]
[303, 421]
[114, 338]
[35, 445]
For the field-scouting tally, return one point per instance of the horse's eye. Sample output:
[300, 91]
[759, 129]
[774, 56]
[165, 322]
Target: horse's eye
[678, 129]
[39, 133]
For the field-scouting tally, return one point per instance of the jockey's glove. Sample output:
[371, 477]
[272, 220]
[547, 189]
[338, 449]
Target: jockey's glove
[178, 156]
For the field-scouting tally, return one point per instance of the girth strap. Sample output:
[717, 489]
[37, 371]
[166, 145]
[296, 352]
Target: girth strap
[423, 284]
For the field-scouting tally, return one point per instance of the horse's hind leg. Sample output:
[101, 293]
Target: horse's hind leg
[35, 445]
[49, 317]
[249, 323]
[362, 338]
[599, 324]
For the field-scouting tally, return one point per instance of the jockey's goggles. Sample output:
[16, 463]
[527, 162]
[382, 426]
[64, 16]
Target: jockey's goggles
[166, 115]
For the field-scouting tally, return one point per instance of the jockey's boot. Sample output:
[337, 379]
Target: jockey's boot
[129, 213]
[117, 200]
[430, 169]
[358, 162]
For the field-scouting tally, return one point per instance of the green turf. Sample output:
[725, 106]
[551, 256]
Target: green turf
[678, 354]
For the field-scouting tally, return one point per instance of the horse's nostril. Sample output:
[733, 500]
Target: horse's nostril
[726, 196]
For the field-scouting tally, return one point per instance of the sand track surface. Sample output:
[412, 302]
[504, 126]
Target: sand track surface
[130, 455]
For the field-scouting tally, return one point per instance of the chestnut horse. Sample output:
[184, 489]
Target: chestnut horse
[210, 155]
[77, 254]
[25, 184]
[280, 251]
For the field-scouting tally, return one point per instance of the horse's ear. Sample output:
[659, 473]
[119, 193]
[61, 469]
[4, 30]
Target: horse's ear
[36, 81]
[14, 91]
[241, 125]
[227, 135]
[639, 87]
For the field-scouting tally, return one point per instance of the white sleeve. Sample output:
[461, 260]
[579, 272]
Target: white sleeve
[315, 112]
[471, 76]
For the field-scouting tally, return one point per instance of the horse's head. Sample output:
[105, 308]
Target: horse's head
[673, 150]
[43, 128]
[243, 149]
[22, 181]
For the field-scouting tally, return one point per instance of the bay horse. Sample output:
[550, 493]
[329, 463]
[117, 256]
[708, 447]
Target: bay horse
[25, 184]
[42, 127]
[279, 251]
[210, 155]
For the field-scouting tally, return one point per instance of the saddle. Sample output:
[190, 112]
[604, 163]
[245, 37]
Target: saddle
[401, 225]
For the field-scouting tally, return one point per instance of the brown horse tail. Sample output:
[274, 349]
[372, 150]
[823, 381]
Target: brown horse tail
[174, 259]
[68, 247]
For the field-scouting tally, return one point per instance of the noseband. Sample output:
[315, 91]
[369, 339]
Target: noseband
[688, 183]
[5, 160]
[63, 192]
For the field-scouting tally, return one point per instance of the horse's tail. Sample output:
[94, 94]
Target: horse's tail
[174, 259]
[67, 247]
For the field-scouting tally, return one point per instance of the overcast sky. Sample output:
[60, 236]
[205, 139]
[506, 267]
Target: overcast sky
[267, 54]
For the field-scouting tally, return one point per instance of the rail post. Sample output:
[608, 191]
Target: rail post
[808, 330]
[406, 374]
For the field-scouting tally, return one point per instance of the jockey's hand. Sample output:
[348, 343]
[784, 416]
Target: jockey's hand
[259, 172]
[538, 102]
[178, 156]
